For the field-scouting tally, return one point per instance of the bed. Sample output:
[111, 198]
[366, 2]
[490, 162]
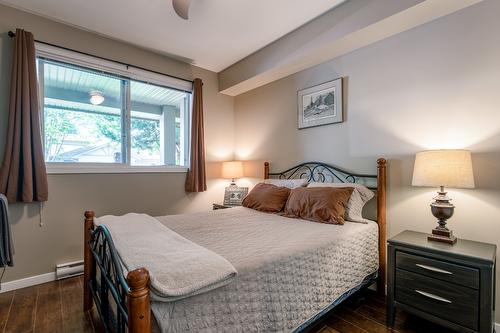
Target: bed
[290, 272]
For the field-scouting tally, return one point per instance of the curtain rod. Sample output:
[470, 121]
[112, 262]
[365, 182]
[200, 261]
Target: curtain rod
[12, 34]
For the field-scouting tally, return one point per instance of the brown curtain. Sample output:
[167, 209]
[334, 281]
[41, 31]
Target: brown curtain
[196, 180]
[23, 177]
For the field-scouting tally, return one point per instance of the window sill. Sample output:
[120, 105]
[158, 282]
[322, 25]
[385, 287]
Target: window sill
[57, 168]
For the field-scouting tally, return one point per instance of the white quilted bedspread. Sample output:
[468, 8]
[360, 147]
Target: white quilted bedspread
[288, 270]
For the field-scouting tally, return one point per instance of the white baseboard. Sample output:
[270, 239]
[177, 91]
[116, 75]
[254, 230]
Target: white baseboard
[28, 282]
[497, 327]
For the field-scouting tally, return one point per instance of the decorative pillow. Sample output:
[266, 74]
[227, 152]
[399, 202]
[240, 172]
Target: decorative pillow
[290, 183]
[359, 197]
[266, 198]
[319, 204]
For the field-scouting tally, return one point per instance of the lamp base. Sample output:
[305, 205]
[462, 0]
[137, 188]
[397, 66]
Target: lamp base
[442, 235]
[442, 209]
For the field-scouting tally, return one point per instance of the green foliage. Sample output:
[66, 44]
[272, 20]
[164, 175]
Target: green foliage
[108, 126]
[145, 134]
[58, 125]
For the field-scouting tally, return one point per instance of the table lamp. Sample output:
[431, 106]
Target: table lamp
[446, 167]
[233, 194]
[232, 170]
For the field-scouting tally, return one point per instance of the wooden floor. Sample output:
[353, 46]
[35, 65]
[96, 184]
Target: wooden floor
[57, 307]
[50, 307]
[365, 312]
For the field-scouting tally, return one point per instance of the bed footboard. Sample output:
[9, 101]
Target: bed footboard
[123, 303]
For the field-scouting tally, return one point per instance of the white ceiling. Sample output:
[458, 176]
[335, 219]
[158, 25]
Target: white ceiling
[217, 34]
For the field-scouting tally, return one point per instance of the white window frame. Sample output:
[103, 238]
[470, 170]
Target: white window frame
[127, 72]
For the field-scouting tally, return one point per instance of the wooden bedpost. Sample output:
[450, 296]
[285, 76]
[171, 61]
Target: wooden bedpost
[88, 260]
[266, 170]
[381, 220]
[139, 312]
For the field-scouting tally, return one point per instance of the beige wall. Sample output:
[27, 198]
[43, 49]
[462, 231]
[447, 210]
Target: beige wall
[39, 249]
[435, 86]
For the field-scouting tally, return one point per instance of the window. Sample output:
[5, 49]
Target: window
[100, 114]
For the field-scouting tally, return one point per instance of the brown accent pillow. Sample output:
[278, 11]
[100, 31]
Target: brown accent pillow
[319, 204]
[266, 198]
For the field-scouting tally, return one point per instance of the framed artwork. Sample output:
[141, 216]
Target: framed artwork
[233, 195]
[320, 105]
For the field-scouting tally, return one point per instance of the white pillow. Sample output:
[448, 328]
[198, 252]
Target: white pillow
[359, 197]
[290, 183]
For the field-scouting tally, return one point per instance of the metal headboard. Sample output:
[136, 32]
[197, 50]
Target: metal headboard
[324, 173]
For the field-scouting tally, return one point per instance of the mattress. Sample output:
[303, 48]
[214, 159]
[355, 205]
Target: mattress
[289, 270]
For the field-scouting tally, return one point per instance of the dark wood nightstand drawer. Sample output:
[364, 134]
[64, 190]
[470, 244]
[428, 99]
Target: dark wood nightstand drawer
[439, 298]
[458, 274]
[451, 285]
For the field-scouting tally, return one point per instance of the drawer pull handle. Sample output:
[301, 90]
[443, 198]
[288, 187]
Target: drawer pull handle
[434, 269]
[429, 295]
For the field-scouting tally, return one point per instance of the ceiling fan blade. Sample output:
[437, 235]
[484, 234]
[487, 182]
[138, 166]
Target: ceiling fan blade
[181, 7]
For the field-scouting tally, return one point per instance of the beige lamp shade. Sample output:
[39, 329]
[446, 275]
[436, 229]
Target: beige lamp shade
[232, 169]
[447, 167]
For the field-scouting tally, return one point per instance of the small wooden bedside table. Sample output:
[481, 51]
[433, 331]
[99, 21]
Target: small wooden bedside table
[451, 285]
[221, 206]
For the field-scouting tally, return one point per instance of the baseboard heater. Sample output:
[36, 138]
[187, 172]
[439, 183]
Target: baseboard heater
[69, 269]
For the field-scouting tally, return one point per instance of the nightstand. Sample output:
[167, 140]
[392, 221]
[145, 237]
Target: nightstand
[221, 206]
[451, 285]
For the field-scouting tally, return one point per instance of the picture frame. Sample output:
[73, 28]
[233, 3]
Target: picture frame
[233, 195]
[320, 105]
